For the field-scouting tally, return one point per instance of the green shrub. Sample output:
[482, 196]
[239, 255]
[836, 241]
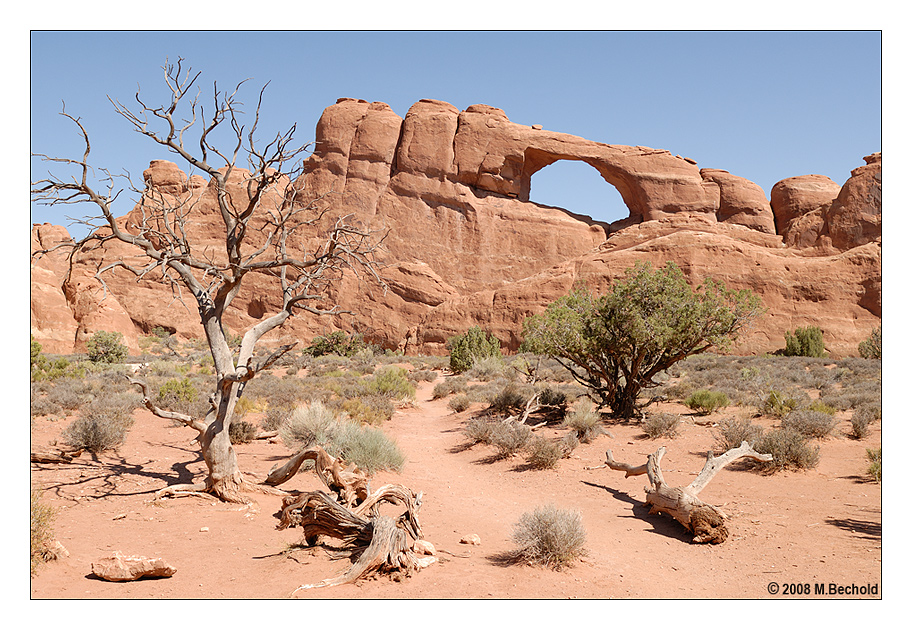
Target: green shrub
[821, 407]
[34, 351]
[789, 448]
[241, 432]
[177, 394]
[804, 342]
[550, 537]
[41, 531]
[369, 409]
[584, 421]
[810, 424]
[778, 404]
[875, 457]
[731, 433]
[100, 426]
[661, 425]
[106, 347]
[870, 348]
[392, 382]
[470, 346]
[704, 401]
[337, 343]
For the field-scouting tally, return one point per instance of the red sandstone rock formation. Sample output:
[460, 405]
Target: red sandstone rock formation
[465, 245]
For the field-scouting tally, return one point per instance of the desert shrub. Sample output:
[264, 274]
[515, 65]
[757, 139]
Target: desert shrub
[42, 405]
[368, 409]
[804, 342]
[340, 436]
[308, 425]
[509, 438]
[810, 424]
[661, 425]
[862, 418]
[876, 458]
[507, 399]
[543, 453]
[106, 347]
[789, 448]
[98, 427]
[460, 402]
[486, 368]
[584, 421]
[480, 430]
[244, 405]
[54, 368]
[705, 401]
[550, 537]
[392, 382]
[779, 404]
[177, 394]
[41, 531]
[450, 385]
[470, 346]
[367, 447]
[428, 376]
[336, 343]
[241, 432]
[870, 348]
[731, 433]
[820, 407]
[69, 393]
[275, 417]
[616, 344]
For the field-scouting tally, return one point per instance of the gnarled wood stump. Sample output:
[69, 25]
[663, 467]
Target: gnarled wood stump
[706, 522]
[349, 512]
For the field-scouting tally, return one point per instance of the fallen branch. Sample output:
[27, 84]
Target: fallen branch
[706, 522]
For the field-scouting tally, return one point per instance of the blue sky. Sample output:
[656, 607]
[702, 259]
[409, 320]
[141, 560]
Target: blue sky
[761, 105]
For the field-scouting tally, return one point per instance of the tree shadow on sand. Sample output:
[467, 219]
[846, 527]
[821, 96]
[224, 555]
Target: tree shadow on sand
[661, 525]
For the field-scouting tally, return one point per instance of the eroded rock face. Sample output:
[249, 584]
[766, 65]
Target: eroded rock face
[465, 246]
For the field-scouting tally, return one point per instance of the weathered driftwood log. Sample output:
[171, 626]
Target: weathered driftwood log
[350, 484]
[706, 522]
[58, 456]
[349, 512]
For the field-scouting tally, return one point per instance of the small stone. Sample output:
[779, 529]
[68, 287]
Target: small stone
[424, 547]
[118, 517]
[120, 568]
[471, 539]
[204, 529]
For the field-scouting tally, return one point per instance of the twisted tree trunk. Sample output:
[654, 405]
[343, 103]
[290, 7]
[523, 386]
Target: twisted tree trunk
[706, 522]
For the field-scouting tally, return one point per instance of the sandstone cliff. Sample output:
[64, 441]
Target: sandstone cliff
[465, 245]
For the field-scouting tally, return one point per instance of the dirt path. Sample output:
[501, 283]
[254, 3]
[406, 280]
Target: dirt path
[821, 526]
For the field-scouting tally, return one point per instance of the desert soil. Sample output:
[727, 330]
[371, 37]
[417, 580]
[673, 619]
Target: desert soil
[821, 526]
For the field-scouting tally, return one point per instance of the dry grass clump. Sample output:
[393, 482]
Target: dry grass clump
[241, 432]
[731, 433]
[789, 448]
[371, 409]
[41, 531]
[509, 438]
[450, 385]
[550, 537]
[862, 419]
[584, 421]
[810, 424]
[661, 425]
[340, 436]
[100, 426]
[460, 402]
[543, 454]
[875, 456]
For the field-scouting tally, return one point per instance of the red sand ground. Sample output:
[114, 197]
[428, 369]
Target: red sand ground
[819, 526]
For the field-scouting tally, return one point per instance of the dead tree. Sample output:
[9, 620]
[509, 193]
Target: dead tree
[704, 521]
[349, 512]
[270, 233]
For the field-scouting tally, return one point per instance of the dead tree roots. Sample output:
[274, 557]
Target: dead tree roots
[706, 522]
[349, 512]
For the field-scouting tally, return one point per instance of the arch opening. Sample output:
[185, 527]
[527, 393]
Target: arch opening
[579, 188]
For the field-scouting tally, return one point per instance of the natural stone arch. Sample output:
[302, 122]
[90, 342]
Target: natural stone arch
[618, 219]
